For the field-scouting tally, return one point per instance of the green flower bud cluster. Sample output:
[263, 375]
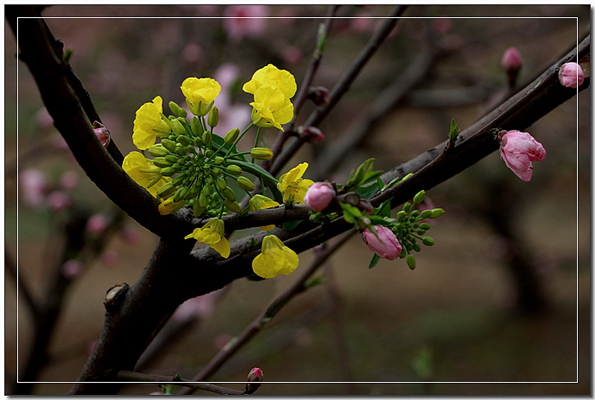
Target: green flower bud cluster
[410, 229]
[205, 170]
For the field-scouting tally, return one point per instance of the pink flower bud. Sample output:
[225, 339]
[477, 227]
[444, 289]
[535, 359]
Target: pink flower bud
[96, 224]
[571, 75]
[102, 133]
[319, 196]
[255, 376]
[311, 134]
[319, 95]
[518, 149]
[511, 59]
[385, 245]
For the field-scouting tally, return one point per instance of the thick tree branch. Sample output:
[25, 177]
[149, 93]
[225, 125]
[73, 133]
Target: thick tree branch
[38, 51]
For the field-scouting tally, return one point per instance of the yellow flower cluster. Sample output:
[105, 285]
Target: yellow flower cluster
[272, 89]
[192, 167]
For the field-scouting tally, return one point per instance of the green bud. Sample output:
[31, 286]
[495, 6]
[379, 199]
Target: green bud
[208, 153]
[231, 136]
[419, 197]
[180, 150]
[157, 150]
[196, 126]
[436, 212]
[183, 139]
[216, 171]
[171, 158]
[161, 162]
[203, 200]
[425, 226]
[193, 191]
[167, 171]
[180, 194]
[233, 206]
[169, 145]
[213, 118]
[197, 210]
[416, 246]
[229, 194]
[414, 213]
[177, 127]
[166, 190]
[261, 153]
[206, 138]
[245, 183]
[428, 241]
[425, 214]
[234, 170]
[219, 160]
[411, 261]
[176, 109]
[178, 180]
[208, 190]
[407, 207]
[401, 216]
[198, 142]
[221, 183]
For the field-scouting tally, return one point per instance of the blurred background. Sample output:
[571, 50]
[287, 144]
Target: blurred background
[504, 294]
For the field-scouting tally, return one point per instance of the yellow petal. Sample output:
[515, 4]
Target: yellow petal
[222, 247]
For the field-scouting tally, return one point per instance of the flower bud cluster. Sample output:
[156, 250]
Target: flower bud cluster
[410, 228]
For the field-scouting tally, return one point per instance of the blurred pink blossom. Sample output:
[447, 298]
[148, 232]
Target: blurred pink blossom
[43, 119]
[511, 59]
[292, 54]
[71, 269]
[110, 258]
[443, 25]
[58, 200]
[192, 53]
[518, 150]
[130, 235]
[230, 115]
[69, 180]
[245, 21]
[197, 307]
[34, 186]
[96, 224]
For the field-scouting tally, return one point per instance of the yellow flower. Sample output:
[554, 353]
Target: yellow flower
[292, 185]
[260, 202]
[149, 123]
[200, 94]
[275, 258]
[271, 107]
[272, 76]
[143, 172]
[213, 234]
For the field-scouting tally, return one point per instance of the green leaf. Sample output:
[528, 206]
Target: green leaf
[256, 170]
[374, 261]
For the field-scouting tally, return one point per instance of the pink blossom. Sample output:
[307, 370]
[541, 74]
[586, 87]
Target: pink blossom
[58, 200]
[34, 186]
[245, 20]
[71, 269]
[386, 245]
[69, 180]
[102, 133]
[319, 196]
[511, 59]
[96, 224]
[518, 149]
[571, 75]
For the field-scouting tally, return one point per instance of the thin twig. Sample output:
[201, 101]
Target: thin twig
[175, 380]
[344, 83]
